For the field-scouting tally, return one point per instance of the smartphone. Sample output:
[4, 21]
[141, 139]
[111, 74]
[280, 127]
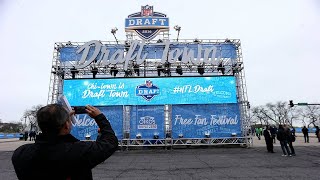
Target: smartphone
[79, 109]
[64, 102]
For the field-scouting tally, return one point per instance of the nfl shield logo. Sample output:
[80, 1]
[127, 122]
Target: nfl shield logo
[146, 10]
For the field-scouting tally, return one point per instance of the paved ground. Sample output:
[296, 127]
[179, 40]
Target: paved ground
[199, 163]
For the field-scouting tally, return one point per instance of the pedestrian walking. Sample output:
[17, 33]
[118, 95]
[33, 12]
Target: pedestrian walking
[291, 138]
[305, 132]
[268, 139]
[273, 131]
[283, 138]
[258, 132]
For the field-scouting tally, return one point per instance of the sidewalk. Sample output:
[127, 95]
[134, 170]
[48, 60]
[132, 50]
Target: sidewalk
[313, 141]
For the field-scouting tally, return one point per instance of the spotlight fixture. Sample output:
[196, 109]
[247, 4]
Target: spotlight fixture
[166, 70]
[159, 41]
[127, 73]
[179, 70]
[138, 136]
[94, 72]
[59, 72]
[221, 68]
[207, 135]
[69, 43]
[196, 40]
[156, 136]
[126, 45]
[114, 71]
[74, 71]
[136, 69]
[200, 69]
[180, 135]
[159, 69]
[227, 40]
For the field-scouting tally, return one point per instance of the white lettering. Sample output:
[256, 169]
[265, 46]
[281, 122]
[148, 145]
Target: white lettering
[154, 21]
[139, 22]
[131, 22]
[147, 22]
[162, 21]
[120, 57]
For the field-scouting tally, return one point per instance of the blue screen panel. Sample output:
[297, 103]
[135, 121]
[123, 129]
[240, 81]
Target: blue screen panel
[194, 121]
[86, 125]
[147, 121]
[150, 91]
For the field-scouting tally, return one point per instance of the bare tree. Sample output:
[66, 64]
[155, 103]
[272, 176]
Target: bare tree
[278, 113]
[310, 115]
[30, 116]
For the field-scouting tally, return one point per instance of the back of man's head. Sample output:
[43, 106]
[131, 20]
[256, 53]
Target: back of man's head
[51, 118]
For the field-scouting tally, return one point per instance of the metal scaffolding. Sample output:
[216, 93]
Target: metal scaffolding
[150, 68]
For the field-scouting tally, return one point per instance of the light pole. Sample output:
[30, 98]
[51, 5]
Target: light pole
[177, 28]
[113, 31]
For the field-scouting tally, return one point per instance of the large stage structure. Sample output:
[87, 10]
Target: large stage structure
[156, 91]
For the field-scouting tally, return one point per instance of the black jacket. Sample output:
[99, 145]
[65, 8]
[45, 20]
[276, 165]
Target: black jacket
[64, 157]
[281, 135]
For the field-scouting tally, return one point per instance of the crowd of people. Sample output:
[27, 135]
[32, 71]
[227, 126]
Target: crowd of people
[285, 135]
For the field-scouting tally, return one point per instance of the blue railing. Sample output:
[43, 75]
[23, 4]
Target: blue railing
[10, 135]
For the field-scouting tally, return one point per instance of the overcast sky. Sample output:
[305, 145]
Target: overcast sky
[280, 42]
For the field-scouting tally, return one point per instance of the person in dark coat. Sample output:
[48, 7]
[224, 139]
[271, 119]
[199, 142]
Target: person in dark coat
[57, 154]
[273, 131]
[305, 132]
[26, 135]
[291, 138]
[283, 138]
[268, 139]
[317, 133]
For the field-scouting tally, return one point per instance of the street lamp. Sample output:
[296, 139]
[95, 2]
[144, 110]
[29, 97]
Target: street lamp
[113, 31]
[177, 28]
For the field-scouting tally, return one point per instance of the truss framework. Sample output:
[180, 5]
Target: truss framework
[63, 70]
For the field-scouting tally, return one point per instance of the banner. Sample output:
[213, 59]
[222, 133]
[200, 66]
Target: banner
[152, 51]
[86, 126]
[216, 120]
[146, 122]
[150, 91]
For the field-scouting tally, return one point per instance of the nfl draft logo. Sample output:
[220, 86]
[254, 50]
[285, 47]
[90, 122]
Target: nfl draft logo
[147, 90]
[147, 23]
[146, 10]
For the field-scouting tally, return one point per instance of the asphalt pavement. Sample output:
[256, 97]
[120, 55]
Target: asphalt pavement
[217, 162]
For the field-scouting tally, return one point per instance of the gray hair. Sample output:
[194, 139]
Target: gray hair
[51, 118]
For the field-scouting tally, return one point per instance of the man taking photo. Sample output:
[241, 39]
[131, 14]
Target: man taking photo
[56, 154]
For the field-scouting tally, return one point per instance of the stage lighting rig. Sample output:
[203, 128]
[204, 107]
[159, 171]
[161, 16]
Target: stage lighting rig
[177, 28]
[160, 69]
[159, 41]
[127, 45]
[201, 69]
[166, 69]
[221, 68]
[94, 72]
[114, 71]
[136, 69]
[113, 31]
[156, 136]
[69, 43]
[127, 73]
[179, 70]
[196, 40]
